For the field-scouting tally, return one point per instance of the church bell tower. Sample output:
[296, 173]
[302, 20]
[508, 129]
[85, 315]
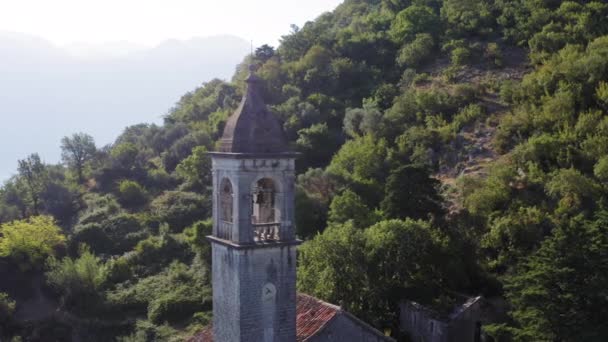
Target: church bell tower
[253, 241]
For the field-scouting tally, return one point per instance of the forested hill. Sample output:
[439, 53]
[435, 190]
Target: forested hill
[454, 146]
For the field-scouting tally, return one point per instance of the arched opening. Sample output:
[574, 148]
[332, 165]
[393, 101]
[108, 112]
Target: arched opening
[226, 201]
[265, 213]
[226, 211]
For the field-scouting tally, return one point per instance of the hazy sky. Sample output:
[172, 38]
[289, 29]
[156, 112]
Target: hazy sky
[149, 22]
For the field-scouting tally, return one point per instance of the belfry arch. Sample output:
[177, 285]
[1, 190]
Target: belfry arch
[265, 202]
[265, 210]
[226, 201]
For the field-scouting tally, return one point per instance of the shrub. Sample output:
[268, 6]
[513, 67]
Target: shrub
[93, 236]
[601, 94]
[117, 270]
[466, 116]
[7, 308]
[494, 54]
[131, 194]
[156, 252]
[175, 293]
[180, 209]
[115, 234]
[460, 56]
[78, 280]
[413, 20]
[414, 53]
[465, 92]
[507, 91]
[176, 306]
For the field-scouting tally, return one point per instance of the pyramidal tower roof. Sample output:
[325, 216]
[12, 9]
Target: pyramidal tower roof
[252, 128]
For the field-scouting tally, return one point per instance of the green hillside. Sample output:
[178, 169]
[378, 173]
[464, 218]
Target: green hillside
[447, 146]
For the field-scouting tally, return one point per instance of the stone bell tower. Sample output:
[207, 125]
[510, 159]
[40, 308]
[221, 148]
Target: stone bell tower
[253, 241]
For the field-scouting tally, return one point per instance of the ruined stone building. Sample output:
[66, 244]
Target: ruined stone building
[461, 323]
[254, 242]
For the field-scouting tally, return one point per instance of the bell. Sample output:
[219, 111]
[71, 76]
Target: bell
[259, 198]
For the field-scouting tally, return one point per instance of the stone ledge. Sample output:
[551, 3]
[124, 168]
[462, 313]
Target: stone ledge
[232, 155]
[253, 245]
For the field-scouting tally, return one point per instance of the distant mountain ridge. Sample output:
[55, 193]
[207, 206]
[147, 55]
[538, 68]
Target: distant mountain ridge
[47, 92]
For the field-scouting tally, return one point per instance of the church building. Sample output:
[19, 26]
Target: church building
[254, 242]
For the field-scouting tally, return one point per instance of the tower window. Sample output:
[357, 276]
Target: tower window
[265, 215]
[226, 200]
[264, 198]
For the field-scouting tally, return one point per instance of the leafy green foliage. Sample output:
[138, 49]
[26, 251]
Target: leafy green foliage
[170, 296]
[383, 99]
[114, 234]
[29, 242]
[416, 52]
[370, 270]
[411, 192]
[413, 20]
[360, 164]
[349, 206]
[560, 292]
[79, 281]
[77, 151]
[180, 209]
[33, 174]
[131, 194]
[196, 169]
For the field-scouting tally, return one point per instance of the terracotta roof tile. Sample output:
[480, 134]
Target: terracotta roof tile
[312, 316]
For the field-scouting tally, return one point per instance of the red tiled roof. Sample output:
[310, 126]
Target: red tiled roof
[312, 315]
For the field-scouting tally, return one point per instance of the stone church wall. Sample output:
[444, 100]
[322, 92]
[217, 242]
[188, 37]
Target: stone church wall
[345, 327]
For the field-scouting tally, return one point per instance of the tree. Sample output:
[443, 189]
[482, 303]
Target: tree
[404, 260]
[317, 144]
[76, 151]
[413, 20]
[466, 17]
[361, 164]
[515, 234]
[29, 242]
[196, 169]
[310, 214]
[560, 293]
[370, 271]
[361, 121]
[264, 53]
[124, 155]
[349, 206]
[332, 266]
[32, 172]
[415, 53]
[411, 192]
